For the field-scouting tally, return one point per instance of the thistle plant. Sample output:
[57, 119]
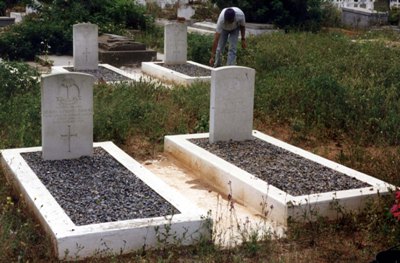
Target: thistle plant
[395, 210]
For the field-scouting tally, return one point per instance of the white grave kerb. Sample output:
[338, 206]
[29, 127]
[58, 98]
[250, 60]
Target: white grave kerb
[85, 46]
[231, 103]
[67, 115]
[175, 43]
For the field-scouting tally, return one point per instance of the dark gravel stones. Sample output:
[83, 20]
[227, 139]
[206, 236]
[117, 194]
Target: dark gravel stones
[98, 189]
[189, 69]
[102, 74]
[287, 171]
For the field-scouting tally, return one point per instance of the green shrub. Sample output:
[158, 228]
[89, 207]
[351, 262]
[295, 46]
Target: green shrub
[394, 16]
[53, 25]
[284, 13]
[26, 40]
[194, 101]
[19, 105]
[199, 48]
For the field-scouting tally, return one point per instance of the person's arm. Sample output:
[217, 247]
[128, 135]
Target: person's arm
[214, 48]
[243, 35]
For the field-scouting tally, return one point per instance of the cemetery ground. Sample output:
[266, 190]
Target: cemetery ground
[334, 95]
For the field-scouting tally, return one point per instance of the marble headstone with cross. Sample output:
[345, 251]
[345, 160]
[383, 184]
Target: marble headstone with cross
[175, 43]
[231, 103]
[85, 46]
[67, 115]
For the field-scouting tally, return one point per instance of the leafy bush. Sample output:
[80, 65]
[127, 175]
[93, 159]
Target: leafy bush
[199, 47]
[394, 16]
[284, 13]
[25, 40]
[53, 25]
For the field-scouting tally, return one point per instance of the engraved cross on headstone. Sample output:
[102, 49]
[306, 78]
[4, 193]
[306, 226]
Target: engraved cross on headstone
[69, 135]
[86, 54]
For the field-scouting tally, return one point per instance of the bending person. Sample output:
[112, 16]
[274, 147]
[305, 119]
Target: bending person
[230, 21]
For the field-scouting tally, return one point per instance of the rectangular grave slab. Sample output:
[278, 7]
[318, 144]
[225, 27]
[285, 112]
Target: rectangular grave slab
[272, 202]
[85, 46]
[67, 115]
[6, 21]
[167, 75]
[76, 242]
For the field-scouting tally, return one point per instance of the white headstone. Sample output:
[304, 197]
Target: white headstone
[175, 43]
[231, 105]
[67, 115]
[85, 46]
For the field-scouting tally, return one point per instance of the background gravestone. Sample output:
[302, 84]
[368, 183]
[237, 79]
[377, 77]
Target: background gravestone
[67, 115]
[231, 105]
[123, 51]
[85, 46]
[175, 43]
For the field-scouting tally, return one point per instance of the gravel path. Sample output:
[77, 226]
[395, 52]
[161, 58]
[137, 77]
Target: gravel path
[287, 171]
[189, 69]
[98, 189]
[101, 74]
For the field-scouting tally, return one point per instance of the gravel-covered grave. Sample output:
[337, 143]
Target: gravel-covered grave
[287, 171]
[98, 189]
[188, 69]
[102, 73]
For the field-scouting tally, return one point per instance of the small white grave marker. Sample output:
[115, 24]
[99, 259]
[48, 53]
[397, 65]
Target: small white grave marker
[85, 46]
[175, 43]
[67, 115]
[231, 105]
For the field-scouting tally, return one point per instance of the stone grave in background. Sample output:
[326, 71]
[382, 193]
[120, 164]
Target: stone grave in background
[67, 116]
[175, 43]
[85, 47]
[175, 68]
[122, 51]
[357, 17]
[6, 21]
[86, 56]
[71, 184]
[278, 180]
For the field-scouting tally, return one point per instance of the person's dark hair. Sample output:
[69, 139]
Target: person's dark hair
[229, 15]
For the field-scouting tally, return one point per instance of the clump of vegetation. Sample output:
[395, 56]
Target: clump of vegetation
[54, 20]
[288, 14]
[19, 105]
[328, 84]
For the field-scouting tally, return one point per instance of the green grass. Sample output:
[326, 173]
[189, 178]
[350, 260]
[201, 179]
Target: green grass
[329, 93]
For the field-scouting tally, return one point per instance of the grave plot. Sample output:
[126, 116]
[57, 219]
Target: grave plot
[175, 68]
[92, 198]
[86, 57]
[279, 180]
[122, 51]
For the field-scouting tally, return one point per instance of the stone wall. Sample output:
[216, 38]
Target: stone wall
[363, 18]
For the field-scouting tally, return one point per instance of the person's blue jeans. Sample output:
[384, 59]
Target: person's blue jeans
[232, 36]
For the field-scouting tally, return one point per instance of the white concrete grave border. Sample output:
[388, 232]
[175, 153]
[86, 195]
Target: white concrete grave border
[71, 242]
[154, 69]
[62, 69]
[277, 205]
